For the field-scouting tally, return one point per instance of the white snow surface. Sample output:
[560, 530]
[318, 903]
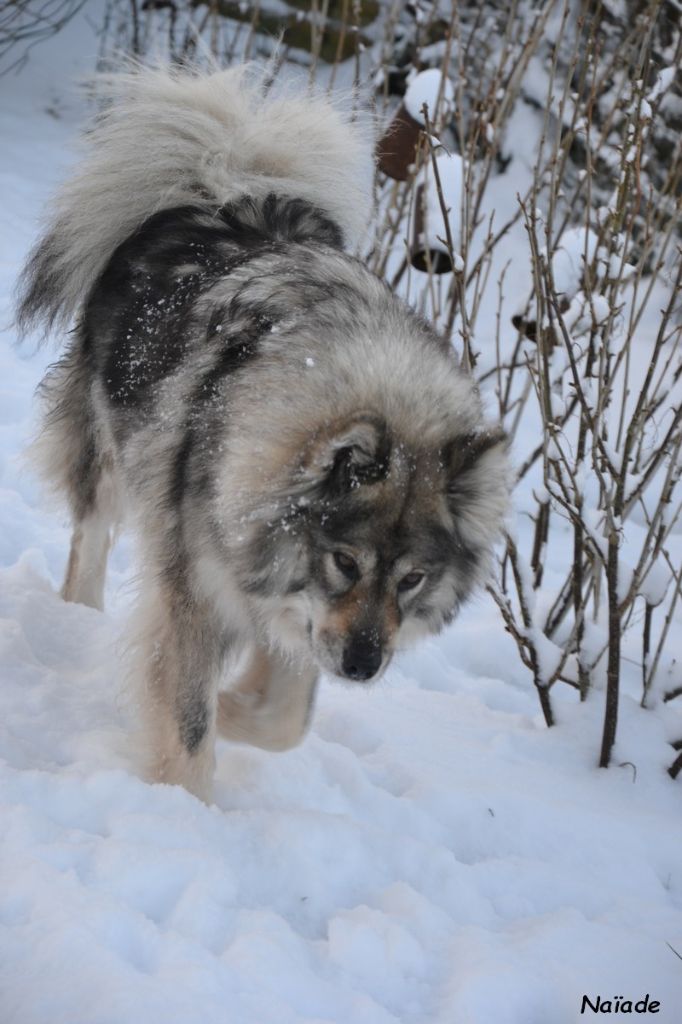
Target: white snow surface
[430, 853]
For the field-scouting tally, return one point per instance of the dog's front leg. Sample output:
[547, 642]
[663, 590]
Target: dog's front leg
[180, 653]
[270, 704]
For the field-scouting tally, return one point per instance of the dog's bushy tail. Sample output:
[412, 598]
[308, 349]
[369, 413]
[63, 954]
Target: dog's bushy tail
[171, 137]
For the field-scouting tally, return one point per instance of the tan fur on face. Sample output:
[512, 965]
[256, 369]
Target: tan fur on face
[356, 610]
[360, 609]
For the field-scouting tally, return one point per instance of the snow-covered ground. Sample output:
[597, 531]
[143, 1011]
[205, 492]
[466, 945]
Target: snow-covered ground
[431, 853]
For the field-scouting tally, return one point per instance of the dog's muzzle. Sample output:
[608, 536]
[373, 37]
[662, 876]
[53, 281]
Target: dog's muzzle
[362, 657]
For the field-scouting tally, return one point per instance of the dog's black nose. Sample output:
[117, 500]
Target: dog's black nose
[361, 659]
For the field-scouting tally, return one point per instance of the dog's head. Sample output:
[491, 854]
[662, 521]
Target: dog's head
[380, 542]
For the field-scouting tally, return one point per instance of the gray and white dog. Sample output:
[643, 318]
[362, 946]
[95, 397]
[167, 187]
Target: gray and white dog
[307, 468]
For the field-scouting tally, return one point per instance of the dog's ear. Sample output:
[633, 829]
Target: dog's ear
[353, 452]
[470, 458]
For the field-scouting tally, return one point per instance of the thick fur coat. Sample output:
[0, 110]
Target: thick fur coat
[306, 466]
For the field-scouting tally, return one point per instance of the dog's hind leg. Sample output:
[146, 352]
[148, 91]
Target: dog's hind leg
[72, 457]
[90, 543]
[179, 654]
[269, 706]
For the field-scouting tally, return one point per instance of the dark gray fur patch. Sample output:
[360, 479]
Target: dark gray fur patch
[280, 218]
[140, 314]
[348, 473]
[193, 723]
[238, 349]
[198, 648]
[461, 454]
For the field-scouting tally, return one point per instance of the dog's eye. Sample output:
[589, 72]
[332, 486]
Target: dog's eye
[412, 580]
[347, 565]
